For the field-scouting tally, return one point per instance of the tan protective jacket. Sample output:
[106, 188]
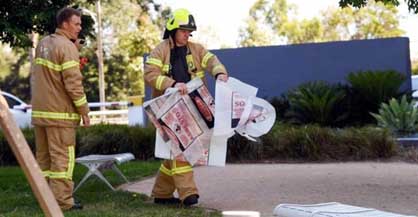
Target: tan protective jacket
[198, 60]
[58, 97]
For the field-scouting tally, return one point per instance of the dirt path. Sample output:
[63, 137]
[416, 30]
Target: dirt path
[389, 187]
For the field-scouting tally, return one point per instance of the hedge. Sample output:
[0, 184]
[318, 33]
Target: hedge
[97, 139]
[282, 143]
[314, 143]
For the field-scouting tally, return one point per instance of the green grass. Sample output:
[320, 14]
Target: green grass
[17, 199]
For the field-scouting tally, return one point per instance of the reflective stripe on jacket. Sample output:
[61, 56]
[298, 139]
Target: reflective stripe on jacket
[58, 97]
[199, 60]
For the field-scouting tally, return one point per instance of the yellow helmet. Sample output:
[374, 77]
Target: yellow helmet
[181, 19]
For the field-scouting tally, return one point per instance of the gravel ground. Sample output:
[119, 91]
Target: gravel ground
[391, 187]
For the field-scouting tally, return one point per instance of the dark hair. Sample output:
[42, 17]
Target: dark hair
[65, 14]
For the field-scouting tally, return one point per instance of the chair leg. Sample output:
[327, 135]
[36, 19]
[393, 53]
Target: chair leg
[88, 174]
[99, 174]
[116, 169]
[94, 170]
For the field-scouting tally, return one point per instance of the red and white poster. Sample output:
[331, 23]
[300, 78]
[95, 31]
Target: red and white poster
[195, 127]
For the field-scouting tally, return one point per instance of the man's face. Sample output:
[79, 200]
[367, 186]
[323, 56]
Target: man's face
[73, 26]
[182, 37]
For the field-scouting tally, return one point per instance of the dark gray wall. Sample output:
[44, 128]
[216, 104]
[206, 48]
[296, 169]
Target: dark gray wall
[276, 69]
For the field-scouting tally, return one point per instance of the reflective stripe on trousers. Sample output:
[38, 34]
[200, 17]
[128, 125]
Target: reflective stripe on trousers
[175, 170]
[70, 168]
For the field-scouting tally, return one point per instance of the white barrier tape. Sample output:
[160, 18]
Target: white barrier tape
[109, 104]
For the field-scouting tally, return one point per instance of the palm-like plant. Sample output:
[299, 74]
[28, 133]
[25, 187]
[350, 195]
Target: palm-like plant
[399, 117]
[371, 88]
[316, 102]
[377, 86]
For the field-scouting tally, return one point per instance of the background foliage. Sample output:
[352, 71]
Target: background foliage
[276, 21]
[133, 30]
[399, 116]
[317, 102]
[412, 4]
[18, 19]
[309, 143]
[371, 88]
[283, 142]
[339, 105]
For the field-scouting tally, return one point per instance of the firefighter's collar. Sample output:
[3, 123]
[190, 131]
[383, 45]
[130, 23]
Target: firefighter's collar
[63, 33]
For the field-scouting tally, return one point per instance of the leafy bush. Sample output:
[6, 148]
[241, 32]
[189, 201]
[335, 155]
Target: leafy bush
[314, 143]
[240, 149]
[399, 117]
[283, 142]
[98, 139]
[6, 153]
[317, 102]
[370, 89]
[281, 105]
[111, 139]
[409, 153]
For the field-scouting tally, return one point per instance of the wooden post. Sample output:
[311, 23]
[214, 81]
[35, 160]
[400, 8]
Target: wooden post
[99, 53]
[27, 162]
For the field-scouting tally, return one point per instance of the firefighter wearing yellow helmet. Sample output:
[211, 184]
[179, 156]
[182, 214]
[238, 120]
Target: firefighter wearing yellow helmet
[181, 19]
[173, 63]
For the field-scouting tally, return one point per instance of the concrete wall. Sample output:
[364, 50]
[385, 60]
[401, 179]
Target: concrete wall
[276, 69]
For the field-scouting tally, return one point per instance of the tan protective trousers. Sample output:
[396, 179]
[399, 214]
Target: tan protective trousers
[174, 175]
[55, 155]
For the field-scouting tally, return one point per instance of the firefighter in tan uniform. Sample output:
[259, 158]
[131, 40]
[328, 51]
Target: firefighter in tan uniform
[173, 63]
[58, 105]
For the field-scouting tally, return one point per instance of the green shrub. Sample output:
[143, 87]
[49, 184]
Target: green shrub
[111, 139]
[283, 142]
[240, 149]
[370, 89]
[97, 139]
[399, 117]
[318, 103]
[281, 105]
[6, 154]
[314, 143]
[409, 153]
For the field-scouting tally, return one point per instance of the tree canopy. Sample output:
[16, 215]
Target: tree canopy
[377, 20]
[19, 18]
[131, 28]
[412, 4]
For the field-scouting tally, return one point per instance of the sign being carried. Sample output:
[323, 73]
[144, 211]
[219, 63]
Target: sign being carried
[194, 128]
[238, 110]
[184, 123]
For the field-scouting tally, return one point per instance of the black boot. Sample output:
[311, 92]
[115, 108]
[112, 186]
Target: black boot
[191, 200]
[167, 201]
[77, 206]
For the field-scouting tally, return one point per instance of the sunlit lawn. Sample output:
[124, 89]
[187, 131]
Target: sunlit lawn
[17, 199]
